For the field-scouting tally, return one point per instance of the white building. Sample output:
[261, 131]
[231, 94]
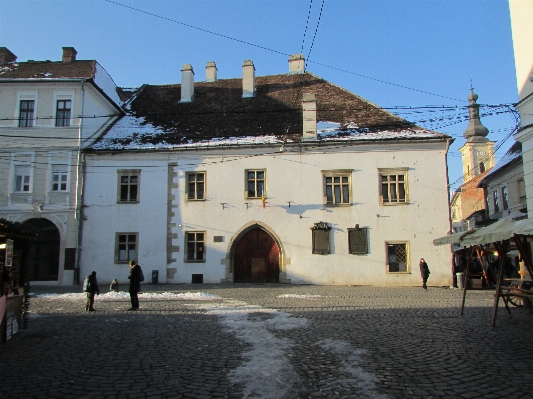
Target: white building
[49, 111]
[522, 28]
[284, 178]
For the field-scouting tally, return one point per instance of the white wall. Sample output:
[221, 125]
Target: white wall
[291, 176]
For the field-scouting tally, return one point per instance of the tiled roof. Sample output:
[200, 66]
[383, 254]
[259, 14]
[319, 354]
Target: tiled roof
[48, 69]
[219, 112]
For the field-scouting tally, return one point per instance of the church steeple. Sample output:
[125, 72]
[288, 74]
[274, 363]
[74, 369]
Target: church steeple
[475, 132]
[478, 151]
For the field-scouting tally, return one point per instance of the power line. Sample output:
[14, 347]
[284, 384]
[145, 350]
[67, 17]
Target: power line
[276, 51]
[316, 30]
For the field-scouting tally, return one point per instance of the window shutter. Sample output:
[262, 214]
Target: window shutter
[321, 238]
[358, 241]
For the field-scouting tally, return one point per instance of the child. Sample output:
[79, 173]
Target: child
[114, 286]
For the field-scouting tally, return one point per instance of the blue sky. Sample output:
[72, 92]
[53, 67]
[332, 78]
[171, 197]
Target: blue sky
[395, 53]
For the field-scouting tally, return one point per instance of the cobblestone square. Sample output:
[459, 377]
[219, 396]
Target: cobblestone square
[269, 341]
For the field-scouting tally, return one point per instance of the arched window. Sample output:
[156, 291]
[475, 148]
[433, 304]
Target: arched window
[481, 167]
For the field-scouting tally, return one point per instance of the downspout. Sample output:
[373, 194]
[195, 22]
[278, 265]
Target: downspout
[80, 169]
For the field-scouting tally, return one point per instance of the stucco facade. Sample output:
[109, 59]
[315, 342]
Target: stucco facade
[45, 123]
[294, 203]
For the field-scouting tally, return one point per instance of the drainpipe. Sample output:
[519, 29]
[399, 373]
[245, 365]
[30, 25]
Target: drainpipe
[80, 166]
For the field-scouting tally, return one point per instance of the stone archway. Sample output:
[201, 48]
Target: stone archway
[256, 257]
[42, 261]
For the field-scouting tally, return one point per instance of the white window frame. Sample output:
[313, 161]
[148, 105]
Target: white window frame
[407, 254]
[26, 96]
[63, 172]
[129, 173]
[340, 174]
[29, 159]
[394, 172]
[19, 189]
[127, 242]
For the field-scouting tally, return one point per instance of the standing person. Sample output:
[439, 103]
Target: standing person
[90, 287]
[135, 284]
[424, 273]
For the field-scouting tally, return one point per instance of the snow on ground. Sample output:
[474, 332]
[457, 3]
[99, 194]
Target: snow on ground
[111, 296]
[299, 296]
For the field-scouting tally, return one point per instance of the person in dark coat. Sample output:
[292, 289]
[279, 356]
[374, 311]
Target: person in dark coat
[91, 288]
[135, 284]
[424, 273]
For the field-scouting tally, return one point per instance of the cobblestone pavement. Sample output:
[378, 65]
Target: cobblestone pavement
[270, 341]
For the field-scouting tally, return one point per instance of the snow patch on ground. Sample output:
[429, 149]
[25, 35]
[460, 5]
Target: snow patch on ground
[298, 296]
[350, 359]
[267, 372]
[111, 296]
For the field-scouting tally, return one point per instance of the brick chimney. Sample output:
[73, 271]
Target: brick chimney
[296, 64]
[69, 54]
[6, 56]
[309, 117]
[211, 72]
[248, 79]
[187, 83]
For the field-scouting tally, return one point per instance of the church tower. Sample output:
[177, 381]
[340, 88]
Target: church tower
[478, 151]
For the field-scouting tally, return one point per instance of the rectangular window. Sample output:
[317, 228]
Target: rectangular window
[393, 186]
[59, 177]
[26, 113]
[63, 113]
[496, 201]
[255, 183]
[505, 198]
[196, 186]
[398, 257]
[128, 186]
[126, 247]
[22, 179]
[195, 246]
[337, 187]
[358, 240]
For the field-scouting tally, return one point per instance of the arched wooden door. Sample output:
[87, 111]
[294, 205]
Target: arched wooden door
[43, 256]
[256, 258]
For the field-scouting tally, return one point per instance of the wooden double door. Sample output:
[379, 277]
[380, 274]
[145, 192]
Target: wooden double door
[256, 258]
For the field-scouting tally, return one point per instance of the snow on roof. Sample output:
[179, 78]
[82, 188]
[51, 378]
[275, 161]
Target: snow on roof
[104, 81]
[131, 133]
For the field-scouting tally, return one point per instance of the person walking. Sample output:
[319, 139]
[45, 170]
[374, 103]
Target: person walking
[135, 284]
[90, 287]
[424, 273]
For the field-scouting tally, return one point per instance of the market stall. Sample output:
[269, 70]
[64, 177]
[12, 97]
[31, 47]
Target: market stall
[502, 236]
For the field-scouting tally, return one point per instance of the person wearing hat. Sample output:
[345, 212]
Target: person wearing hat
[90, 287]
[135, 284]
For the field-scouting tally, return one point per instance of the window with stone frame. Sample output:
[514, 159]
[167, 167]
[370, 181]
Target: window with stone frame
[321, 240]
[358, 240]
[63, 108]
[196, 186]
[195, 246]
[22, 178]
[59, 177]
[26, 109]
[394, 188]
[337, 187]
[126, 246]
[397, 257]
[255, 183]
[128, 186]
